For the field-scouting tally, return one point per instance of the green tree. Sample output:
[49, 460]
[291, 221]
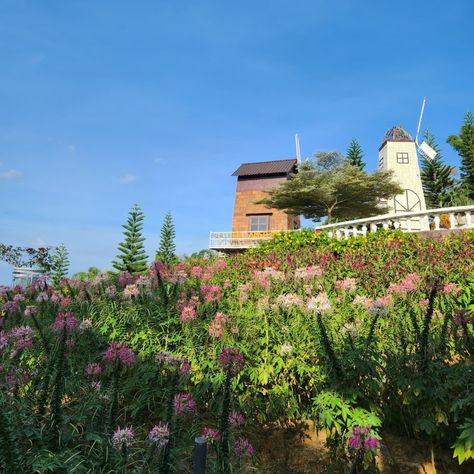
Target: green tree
[132, 257]
[355, 154]
[436, 177]
[60, 265]
[166, 253]
[464, 145]
[339, 191]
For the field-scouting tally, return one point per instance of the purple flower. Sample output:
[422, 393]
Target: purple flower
[211, 434]
[11, 307]
[183, 404]
[119, 351]
[236, 418]
[243, 447]
[22, 337]
[29, 310]
[159, 435]
[92, 369]
[371, 442]
[110, 292]
[231, 360]
[3, 340]
[65, 321]
[123, 437]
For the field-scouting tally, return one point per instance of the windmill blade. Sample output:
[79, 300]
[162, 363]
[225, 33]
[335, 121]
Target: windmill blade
[427, 151]
[419, 121]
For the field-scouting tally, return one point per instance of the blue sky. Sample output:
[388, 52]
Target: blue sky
[106, 104]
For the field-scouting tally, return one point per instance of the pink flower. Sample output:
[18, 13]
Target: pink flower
[22, 337]
[407, 285]
[288, 301]
[29, 310]
[217, 325]
[312, 271]
[123, 437]
[196, 272]
[236, 418]
[119, 351]
[320, 304]
[211, 293]
[211, 435]
[451, 289]
[65, 321]
[361, 438]
[131, 291]
[93, 369]
[355, 442]
[231, 360]
[188, 313]
[378, 306]
[183, 404]
[110, 291]
[125, 279]
[159, 435]
[243, 447]
[348, 284]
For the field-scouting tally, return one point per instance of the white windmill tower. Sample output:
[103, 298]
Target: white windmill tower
[398, 153]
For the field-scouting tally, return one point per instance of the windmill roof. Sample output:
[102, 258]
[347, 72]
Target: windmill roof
[265, 167]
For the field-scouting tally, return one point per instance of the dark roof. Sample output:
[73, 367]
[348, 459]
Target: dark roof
[265, 167]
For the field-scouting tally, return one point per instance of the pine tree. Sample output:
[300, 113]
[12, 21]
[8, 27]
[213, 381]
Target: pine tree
[355, 154]
[436, 177]
[167, 250]
[464, 145]
[132, 257]
[60, 265]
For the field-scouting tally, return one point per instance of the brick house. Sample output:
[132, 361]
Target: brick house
[252, 181]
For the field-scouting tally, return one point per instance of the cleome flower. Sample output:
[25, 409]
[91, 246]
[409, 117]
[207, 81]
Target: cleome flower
[231, 360]
[159, 435]
[119, 351]
[319, 304]
[122, 437]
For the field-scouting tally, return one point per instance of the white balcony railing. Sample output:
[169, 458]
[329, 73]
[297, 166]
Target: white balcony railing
[432, 219]
[239, 240]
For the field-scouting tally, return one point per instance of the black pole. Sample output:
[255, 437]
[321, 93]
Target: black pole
[200, 453]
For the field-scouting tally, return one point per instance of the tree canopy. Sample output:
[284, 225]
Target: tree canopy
[464, 145]
[331, 188]
[355, 154]
[437, 177]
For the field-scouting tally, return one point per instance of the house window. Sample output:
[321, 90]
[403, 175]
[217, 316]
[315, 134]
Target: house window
[259, 223]
[402, 158]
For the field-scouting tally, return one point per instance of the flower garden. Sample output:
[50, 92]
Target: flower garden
[365, 338]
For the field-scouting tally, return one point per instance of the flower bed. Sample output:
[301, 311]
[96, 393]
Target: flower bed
[123, 371]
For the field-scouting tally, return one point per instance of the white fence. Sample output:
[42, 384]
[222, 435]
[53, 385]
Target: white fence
[432, 219]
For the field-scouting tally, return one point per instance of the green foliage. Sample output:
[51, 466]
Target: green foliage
[333, 190]
[436, 177]
[132, 257]
[464, 445]
[464, 145]
[89, 275]
[404, 367]
[166, 253]
[355, 155]
[60, 265]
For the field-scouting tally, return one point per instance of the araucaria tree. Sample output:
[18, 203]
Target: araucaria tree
[333, 189]
[437, 177]
[166, 253]
[60, 265]
[355, 154]
[464, 145]
[132, 257]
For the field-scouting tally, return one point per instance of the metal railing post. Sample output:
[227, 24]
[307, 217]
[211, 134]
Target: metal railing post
[200, 454]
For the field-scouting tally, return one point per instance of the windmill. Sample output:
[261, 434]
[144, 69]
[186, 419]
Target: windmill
[424, 147]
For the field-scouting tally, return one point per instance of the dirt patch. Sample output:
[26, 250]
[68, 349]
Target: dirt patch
[300, 449]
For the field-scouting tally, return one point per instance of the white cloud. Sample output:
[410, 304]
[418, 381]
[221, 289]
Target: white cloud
[159, 160]
[127, 179]
[71, 148]
[11, 174]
